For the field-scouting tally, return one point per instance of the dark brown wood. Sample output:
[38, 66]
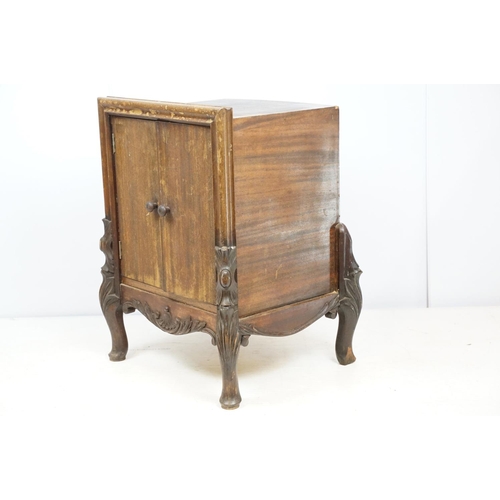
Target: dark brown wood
[222, 217]
[181, 310]
[351, 300]
[290, 319]
[222, 151]
[227, 335]
[109, 298]
[165, 320]
[286, 175]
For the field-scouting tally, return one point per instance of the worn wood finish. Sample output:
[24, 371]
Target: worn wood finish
[226, 214]
[162, 293]
[222, 129]
[286, 177]
[243, 108]
[164, 178]
[186, 182]
[138, 182]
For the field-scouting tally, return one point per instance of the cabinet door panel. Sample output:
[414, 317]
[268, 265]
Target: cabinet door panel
[136, 167]
[186, 177]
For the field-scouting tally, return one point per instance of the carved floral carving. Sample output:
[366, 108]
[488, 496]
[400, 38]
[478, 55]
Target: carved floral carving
[350, 291]
[227, 336]
[351, 299]
[166, 321]
[107, 295]
[227, 287]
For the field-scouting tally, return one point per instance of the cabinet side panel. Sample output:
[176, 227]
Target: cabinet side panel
[136, 171]
[286, 198]
[187, 188]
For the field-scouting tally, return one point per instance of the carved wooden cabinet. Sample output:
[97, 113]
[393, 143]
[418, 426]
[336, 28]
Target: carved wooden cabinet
[222, 217]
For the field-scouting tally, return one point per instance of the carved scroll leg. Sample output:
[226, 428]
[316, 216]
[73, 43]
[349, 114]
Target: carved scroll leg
[114, 318]
[350, 296]
[227, 336]
[228, 342]
[110, 301]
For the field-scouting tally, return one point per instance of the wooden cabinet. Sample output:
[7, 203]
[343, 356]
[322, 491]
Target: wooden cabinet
[222, 217]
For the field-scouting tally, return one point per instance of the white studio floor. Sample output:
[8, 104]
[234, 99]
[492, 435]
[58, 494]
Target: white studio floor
[414, 411]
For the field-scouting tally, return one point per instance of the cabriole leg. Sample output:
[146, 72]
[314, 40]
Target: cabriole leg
[119, 341]
[227, 337]
[343, 344]
[351, 299]
[228, 343]
[110, 301]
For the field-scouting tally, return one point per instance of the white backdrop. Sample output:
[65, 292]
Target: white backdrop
[420, 175]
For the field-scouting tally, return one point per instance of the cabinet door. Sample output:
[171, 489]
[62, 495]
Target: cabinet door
[137, 182]
[186, 179]
[169, 164]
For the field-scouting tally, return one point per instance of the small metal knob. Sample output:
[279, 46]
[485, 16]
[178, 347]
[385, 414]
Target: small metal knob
[163, 210]
[151, 206]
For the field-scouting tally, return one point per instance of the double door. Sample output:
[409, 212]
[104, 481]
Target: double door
[165, 206]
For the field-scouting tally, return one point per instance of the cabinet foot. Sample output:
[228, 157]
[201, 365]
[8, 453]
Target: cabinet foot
[117, 356]
[114, 318]
[345, 356]
[119, 342]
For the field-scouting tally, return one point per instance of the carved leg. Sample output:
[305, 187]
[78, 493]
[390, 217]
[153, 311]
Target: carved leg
[351, 299]
[343, 344]
[110, 301]
[227, 337]
[114, 318]
[228, 342]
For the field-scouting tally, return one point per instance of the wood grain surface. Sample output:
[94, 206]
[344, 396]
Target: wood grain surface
[286, 200]
[289, 319]
[186, 179]
[137, 182]
[169, 164]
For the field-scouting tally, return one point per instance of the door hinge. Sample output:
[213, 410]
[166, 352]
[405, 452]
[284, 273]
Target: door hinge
[113, 143]
[120, 250]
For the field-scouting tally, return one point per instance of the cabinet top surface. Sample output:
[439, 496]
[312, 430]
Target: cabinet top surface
[247, 107]
[241, 108]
